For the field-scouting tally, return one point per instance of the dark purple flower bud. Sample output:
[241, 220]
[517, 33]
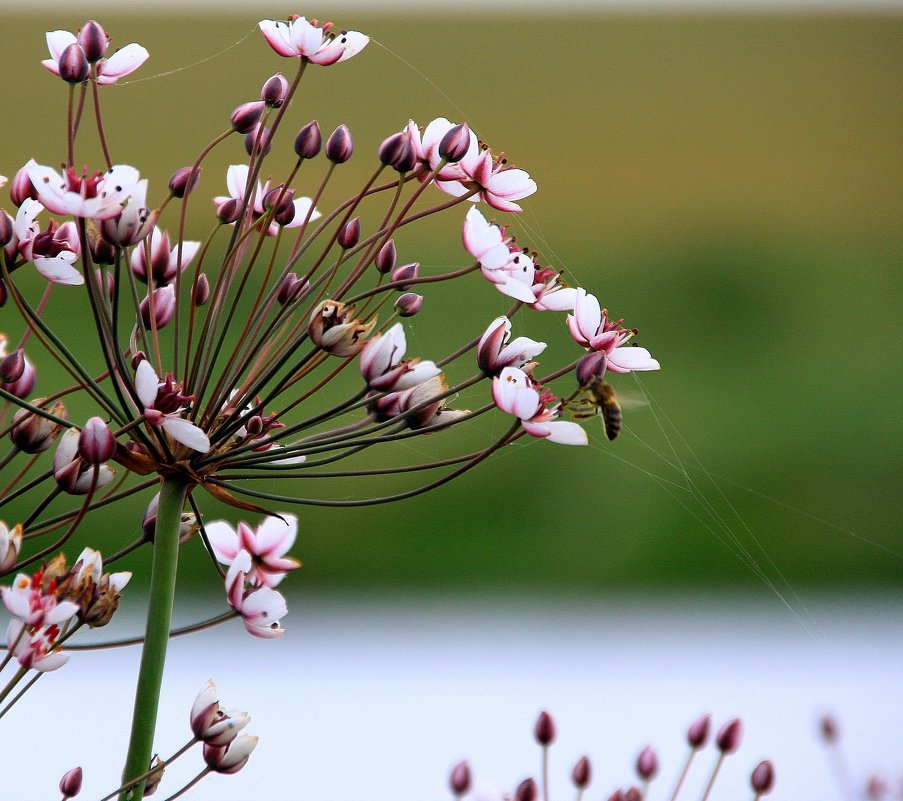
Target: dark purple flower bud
[385, 259]
[139, 357]
[287, 288]
[254, 425]
[247, 115]
[281, 200]
[828, 728]
[22, 386]
[876, 788]
[340, 145]
[102, 251]
[275, 91]
[21, 188]
[74, 67]
[453, 146]
[32, 433]
[93, 39]
[71, 783]
[3, 294]
[12, 366]
[229, 211]
[582, 774]
[398, 152]
[762, 779]
[408, 304]
[526, 791]
[590, 367]
[633, 794]
[459, 780]
[544, 730]
[647, 764]
[258, 140]
[617, 795]
[698, 733]
[183, 181]
[308, 141]
[728, 739]
[7, 229]
[164, 306]
[96, 442]
[349, 233]
[201, 290]
[406, 272]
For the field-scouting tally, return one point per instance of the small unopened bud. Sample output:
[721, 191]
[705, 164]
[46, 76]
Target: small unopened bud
[647, 764]
[93, 39]
[544, 730]
[340, 145]
[526, 791]
[386, 257]
[22, 386]
[633, 794]
[201, 292]
[246, 116]
[289, 289]
[308, 141]
[591, 366]
[12, 366]
[184, 180]
[582, 774]
[459, 779]
[254, 426]
[96, 442]
[258, 140]
[231, 758]
[10, 545]
[876, 788]
[281, 200]
[71, 783]
[229, 211]
[407, 272]
[698, 733]
[7, 228]
[617, 795]
[22, 188]
[32, 433]
[398, 152]
[158, 766]
[164, 306]
[274, 90]
[454, 145]
[762, 779]
[102, 251]
[349, 233]
[74, 67]
[828, 728]
[728, 739]
[408, 304]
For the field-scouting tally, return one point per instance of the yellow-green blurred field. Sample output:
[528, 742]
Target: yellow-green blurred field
[732, 185]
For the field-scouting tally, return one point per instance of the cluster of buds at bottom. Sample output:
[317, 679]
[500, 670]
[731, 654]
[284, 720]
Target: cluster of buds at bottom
[875, 786]
[726, 742]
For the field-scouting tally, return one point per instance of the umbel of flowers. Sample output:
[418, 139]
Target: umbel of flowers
[227, 363]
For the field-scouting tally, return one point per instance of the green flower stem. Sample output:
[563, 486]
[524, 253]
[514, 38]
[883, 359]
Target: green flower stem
[156, 634]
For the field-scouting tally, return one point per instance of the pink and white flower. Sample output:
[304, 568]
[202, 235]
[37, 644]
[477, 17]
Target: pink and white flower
[164, 405]
[266, 545]
[511, 270]
[495, 352]
[298, 38]
[591, 328]
[133, 224]
[260, 607]
[165, 264]
[74, 474]
[52, 251]
[26, 599]
[99, 196]
[109, 70]
[36, 649]
[213, 724]
[230, 758]
[384, 367]
[516, 393]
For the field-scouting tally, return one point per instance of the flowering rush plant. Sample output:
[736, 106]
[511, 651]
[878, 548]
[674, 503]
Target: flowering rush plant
[274, 350]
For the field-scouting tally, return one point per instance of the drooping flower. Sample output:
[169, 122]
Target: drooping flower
[384, 367]
[164, 405]
[266, 545]
[316, 42]
[516, 393]
[109, 70]
[99, 196]
[260, 607]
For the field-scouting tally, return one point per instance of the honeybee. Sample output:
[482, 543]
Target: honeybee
[599, 397]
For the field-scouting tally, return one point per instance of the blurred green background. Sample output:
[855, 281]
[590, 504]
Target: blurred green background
[730, 184]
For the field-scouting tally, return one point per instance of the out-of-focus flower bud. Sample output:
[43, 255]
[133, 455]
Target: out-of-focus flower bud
[21, 187]
[526, 791]
[453, 146]
[258, 140]
[349, 233]
[409, 304]
[164, 306]
[340, 145]
[617, 795]
[275, 90]
[334, 329]
[158, 768]
[407, 272]
[96, 442]
[7, 228]
[93, 40]
[73, 63]
[183, 181]
[728, 739]
[71, 783]
[308, 141]
[827, 726]
[32, 433]
[201, 290]
[633, 794]
[544, 730]
[386, 257]
[698, 733]
[582, 774]
[247, 115]
[647, 764]
[762, 779]
[231, 758]
[10, 545]
[398, 152]
[459, 779]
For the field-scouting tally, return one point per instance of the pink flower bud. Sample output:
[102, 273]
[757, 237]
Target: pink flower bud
[7, 228]
[229, 211]
[591, 366]
[647, 764]
[582, 774]
[32, 433]
[409, 304]
[12, 366]
[406, 272]
[93, 39]
[22, 386]
[633, 794]
[258, 140]
[617, 795]
[544, 730]
[340, 145]
[247, 115]
[275, 90]
[728, 739]
[71, 783]
[22, 187]
[308, 141]
[96, 442]
[698, 733]
[349, 234]
[102, 251]
[453, 146]
[74, 67]
[398, 152]
[201, 290]
[762, 779]
[231, 758]
[164, 306]
[385, 258]
[289, 289]
[828, 728]
[459, 780]
[526, 791]
[281, 200]
[183, 181]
